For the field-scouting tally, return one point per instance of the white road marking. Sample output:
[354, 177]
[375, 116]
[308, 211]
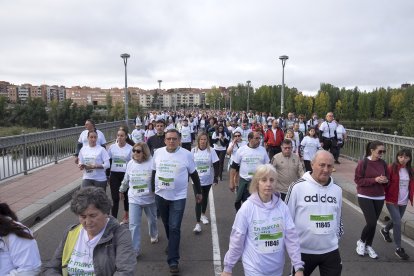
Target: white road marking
[214, 235]
[356, 208]
[49, 218]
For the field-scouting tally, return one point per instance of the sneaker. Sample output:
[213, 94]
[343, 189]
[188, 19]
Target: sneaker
[360, 249]
[385, 235]
[371, 252]
[337, 162]
[174, 269]
[154, 240]
[204, 219]
[401, 254]
[197, 228]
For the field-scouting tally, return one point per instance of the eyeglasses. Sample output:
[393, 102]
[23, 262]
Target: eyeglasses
[171, 139]
[136, 151]
[382, 151]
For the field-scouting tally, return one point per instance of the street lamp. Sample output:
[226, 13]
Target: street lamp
[282, 95]
[248, 95]
[159, 95]
[125, 58]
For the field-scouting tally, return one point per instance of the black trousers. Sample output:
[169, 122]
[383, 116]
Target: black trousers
[221, 155]
[308, 166]
[330, 263]
[330, 145]
[372, 210]
[115, 180]
[202, 206]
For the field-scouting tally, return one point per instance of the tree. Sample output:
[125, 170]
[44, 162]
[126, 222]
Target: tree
[301, 104]
[322, 104]
[379, 108]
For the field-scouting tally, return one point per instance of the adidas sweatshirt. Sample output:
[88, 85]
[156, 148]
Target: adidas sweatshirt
[316, 213]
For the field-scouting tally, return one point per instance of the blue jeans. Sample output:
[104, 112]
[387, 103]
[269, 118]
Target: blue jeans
[396, 212]
[172, 212]
[135, 213]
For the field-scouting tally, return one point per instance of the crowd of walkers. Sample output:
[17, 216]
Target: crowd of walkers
[279, 169]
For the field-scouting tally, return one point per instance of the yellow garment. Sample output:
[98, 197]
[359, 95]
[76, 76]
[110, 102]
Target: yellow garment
[70, 243]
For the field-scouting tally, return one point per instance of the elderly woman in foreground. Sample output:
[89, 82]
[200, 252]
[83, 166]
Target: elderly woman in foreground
[98, 245]
[262, 229]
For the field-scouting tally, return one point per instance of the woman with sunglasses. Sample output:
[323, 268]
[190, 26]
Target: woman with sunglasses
[141, 198]
[371, 177]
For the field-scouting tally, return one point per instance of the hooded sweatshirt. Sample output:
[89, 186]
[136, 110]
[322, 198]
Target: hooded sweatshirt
[316, 212]
[259, 234]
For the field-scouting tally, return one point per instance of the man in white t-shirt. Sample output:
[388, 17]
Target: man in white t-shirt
[245, 162]
[186, 135]
[171, 166]
[138, 133]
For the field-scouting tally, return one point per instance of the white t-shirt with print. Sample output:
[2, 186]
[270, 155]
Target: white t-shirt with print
[172, 170]
[81, 260]
[249, 158]
[204, 160]
[94, 156]
[186, 134]
[264, 247]
[83, 138]
[120, 157]
[138, 176]
[138, 135]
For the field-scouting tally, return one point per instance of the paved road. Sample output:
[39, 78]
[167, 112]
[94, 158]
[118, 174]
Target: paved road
[197, 256]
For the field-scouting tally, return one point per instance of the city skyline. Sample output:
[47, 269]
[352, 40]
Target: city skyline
[191, 44]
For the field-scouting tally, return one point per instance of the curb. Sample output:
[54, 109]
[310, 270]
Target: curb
[37, 211]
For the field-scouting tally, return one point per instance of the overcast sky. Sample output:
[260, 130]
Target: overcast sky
[193, 43]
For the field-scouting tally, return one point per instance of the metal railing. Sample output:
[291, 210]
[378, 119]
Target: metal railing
[22, 153]
[354, 147]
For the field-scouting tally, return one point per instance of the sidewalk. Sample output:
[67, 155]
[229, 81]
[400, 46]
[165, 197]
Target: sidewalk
[41, 192]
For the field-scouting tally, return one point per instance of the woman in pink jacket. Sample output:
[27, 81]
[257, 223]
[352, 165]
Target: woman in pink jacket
[397, 194]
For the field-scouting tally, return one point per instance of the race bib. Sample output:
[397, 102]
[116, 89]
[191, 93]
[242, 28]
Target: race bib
[166, 183]
[203, 170]
[90, 161]
[118, 162]
[322, 224]
[270, 243]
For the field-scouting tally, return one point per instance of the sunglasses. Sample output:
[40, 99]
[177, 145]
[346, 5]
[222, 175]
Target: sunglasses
[237, 135]
[171, 139]
[136, 151]
[382, 151]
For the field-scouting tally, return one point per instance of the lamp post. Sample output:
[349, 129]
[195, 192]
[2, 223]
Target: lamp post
[282, 95]
[248, 95]
[159, 91]
[125, 58]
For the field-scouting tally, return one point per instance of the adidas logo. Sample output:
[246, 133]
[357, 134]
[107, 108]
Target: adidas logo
[318, 198]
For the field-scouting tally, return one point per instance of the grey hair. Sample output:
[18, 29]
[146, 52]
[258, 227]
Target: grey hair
[84, 197]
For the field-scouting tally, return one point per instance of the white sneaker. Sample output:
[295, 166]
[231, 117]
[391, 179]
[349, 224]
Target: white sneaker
[371, 252]
[154, 240]
[197, 228]
[360, 249]
[204, 219]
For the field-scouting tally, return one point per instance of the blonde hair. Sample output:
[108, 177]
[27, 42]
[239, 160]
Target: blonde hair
[198, 141]
[266, 170]
[145, 150]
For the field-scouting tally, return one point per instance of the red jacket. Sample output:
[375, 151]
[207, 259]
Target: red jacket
[393, 188]
[269, 137]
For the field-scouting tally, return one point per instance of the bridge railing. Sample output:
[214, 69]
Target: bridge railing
[354, 147]
[22, 153]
